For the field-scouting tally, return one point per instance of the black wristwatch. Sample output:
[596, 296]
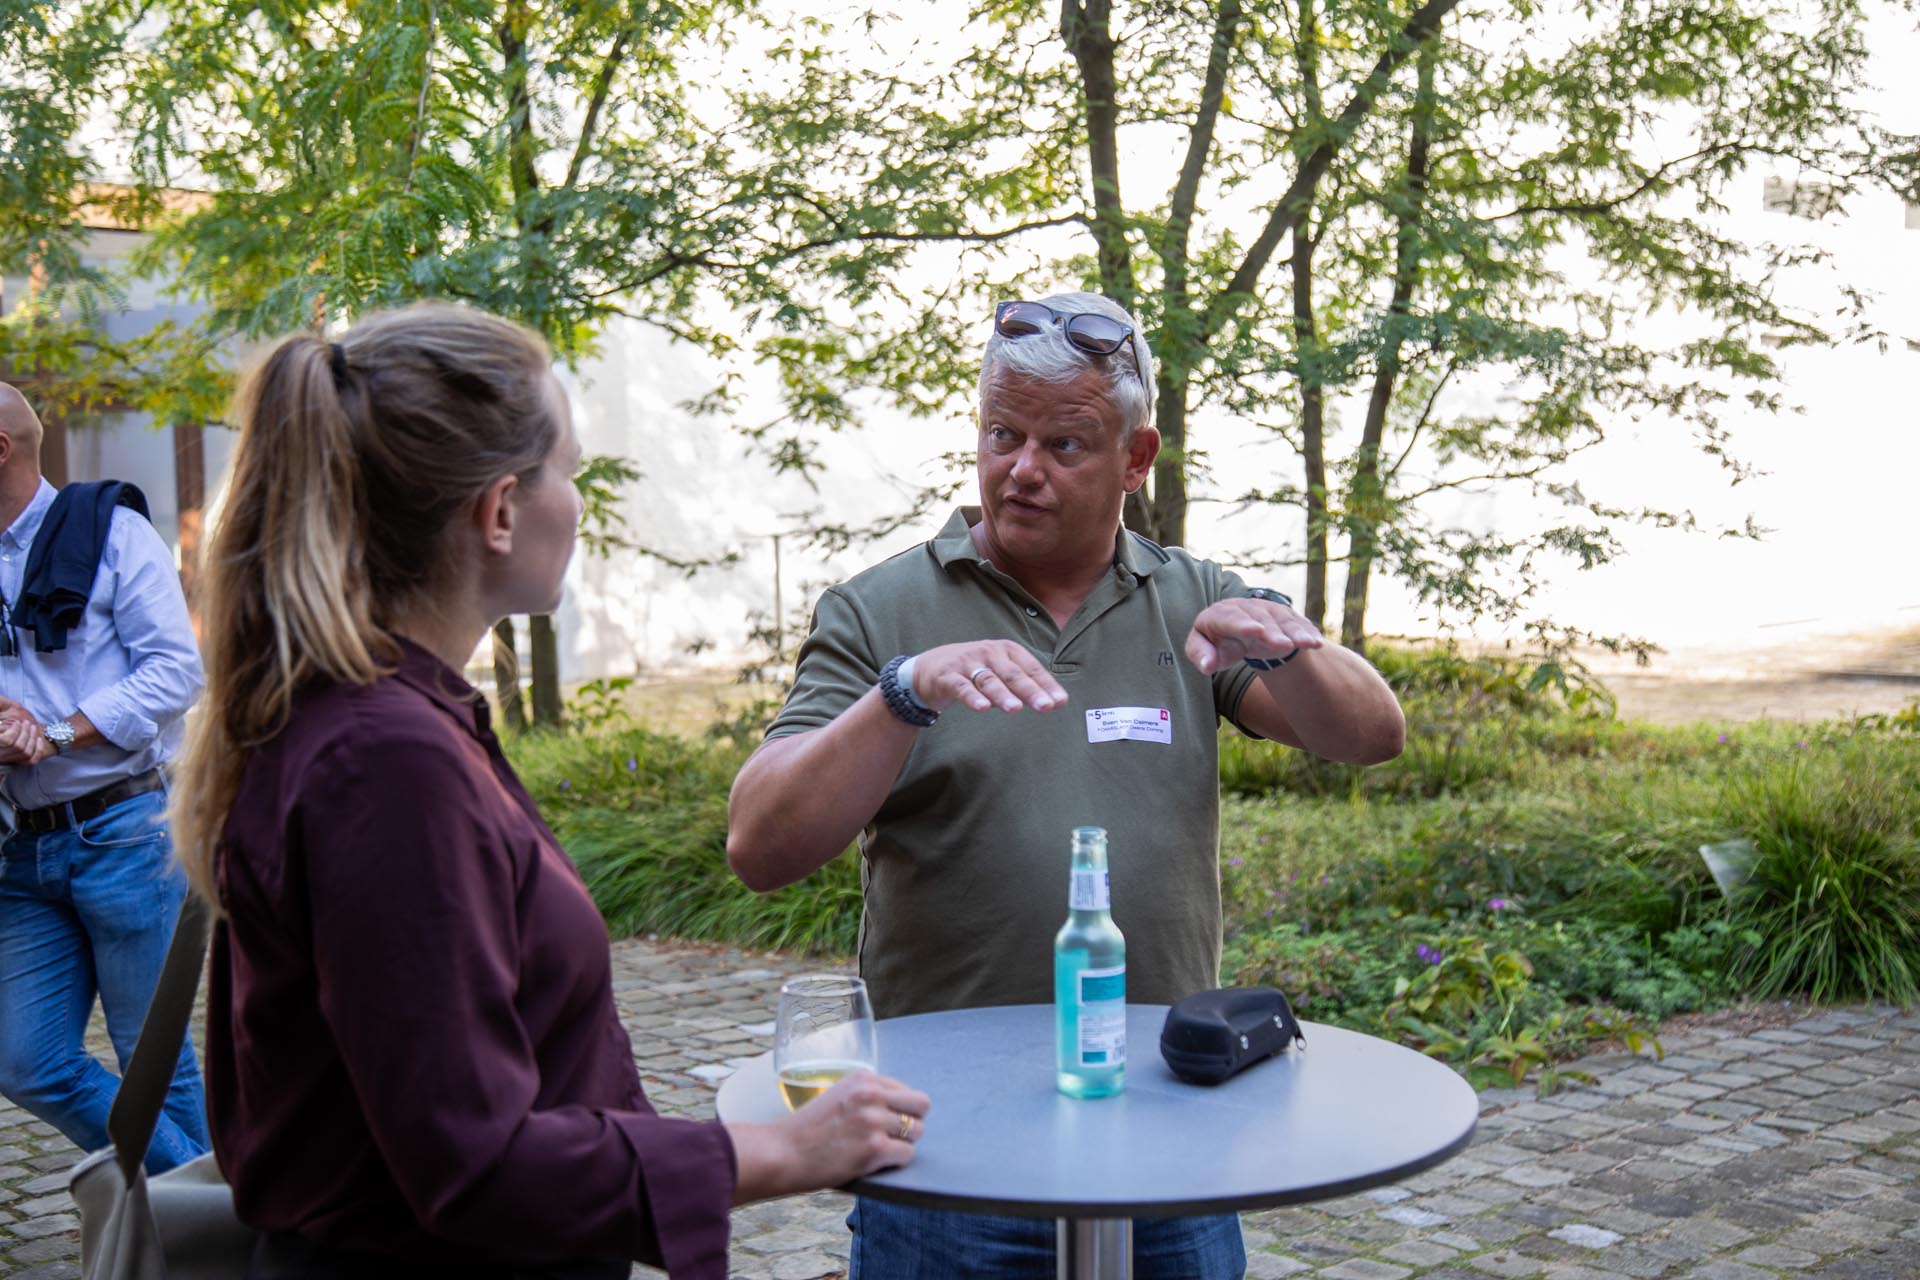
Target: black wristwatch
[900, 699]
[1278, 597]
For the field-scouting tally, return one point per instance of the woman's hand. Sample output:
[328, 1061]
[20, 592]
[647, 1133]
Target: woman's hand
[862, 1124]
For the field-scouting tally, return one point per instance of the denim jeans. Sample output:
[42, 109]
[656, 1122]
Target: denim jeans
[83, 912]
[896, 1242]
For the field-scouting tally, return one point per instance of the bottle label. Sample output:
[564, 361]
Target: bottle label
[1102, 1034]
[1090, 891]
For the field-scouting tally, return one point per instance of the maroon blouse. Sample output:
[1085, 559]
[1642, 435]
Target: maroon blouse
[412, 1046]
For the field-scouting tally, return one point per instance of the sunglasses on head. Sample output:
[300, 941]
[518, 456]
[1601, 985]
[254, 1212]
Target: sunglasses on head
[1090, 331]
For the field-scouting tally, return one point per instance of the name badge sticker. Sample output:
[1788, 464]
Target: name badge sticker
[1131, 724]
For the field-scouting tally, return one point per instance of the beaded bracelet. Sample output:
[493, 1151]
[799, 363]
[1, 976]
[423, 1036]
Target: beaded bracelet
[900, 699]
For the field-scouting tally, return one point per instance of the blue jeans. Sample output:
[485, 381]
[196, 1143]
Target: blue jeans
[83, 912]
[896, 1242]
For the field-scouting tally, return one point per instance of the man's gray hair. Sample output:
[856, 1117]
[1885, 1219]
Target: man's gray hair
[1047, 356]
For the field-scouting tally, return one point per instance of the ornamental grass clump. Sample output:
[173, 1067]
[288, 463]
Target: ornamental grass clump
[1835, 891]
[644, 817]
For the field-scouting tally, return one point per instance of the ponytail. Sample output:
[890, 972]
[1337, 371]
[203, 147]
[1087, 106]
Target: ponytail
[354, 458]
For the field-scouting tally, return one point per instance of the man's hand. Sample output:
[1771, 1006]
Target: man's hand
[1246, 627]
[984, 674]
[21, 741]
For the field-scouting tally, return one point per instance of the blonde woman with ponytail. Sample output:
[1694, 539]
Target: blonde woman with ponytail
[414, 1063]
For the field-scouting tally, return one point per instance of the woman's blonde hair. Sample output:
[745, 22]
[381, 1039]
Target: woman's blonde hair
[354, 459]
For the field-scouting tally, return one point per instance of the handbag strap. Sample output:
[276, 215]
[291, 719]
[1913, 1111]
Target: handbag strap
[149, 1074]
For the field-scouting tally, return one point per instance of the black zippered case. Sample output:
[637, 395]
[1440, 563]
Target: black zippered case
[1212, 1036]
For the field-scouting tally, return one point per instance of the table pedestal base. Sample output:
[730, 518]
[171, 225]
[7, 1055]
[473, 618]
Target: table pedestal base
[1095, 1249]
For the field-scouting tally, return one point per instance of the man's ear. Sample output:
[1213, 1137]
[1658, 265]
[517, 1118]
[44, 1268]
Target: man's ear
[1141, 451]
[494, 514]
[6, 449]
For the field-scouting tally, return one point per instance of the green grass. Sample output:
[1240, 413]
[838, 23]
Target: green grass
[1546, 851]
[644, 815]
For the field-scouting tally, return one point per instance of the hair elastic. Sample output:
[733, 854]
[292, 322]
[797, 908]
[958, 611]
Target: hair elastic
[339, 362]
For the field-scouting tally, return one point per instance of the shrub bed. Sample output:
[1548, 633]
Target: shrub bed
[1523, 882]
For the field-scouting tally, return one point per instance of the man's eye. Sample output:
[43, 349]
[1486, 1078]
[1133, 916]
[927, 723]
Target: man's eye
[1069, 445]
[999, 435]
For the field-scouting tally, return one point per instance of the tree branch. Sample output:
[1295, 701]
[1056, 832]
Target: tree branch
[1299, 195]
[1426, 416]
[1084, 29]
[426, 83]
[1610, 203]
[1186, 191]
[602, 84]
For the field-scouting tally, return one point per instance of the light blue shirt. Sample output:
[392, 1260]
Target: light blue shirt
[131, 666]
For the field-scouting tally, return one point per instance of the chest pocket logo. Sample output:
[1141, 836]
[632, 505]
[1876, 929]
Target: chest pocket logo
[1164, 658]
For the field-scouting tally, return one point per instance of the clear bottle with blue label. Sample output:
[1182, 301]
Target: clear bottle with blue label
[1090, 979]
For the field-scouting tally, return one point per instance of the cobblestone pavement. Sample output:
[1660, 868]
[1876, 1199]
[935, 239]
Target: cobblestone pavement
[1790, 1152]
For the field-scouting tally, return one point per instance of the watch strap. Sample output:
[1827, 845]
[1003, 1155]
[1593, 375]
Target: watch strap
[900, 699]
[1277, 597]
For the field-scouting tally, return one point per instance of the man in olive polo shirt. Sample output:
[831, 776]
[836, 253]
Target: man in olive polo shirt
[1038, 600]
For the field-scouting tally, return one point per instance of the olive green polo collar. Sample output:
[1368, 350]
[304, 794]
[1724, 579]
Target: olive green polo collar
[1131, 553]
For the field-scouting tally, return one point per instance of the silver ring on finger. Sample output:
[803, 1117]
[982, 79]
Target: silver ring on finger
[974, 675]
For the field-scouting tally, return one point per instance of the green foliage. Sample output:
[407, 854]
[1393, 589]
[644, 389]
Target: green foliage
[1835, 894]
[599, 705]
[1372, 201]
[645, 818]
[1580, 855]
[1504, 926]
[1480, 1009]
[1470, 721]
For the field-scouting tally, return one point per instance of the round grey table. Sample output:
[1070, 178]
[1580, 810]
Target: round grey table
[1348, 1112]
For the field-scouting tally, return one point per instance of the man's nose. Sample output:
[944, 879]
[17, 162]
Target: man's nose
[1028, 468]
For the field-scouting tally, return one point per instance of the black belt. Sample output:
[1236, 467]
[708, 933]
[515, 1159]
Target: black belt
[88, 807]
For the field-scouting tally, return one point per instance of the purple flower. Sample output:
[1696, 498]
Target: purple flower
[1233, 862]
[633, 763]
[1498, 904]
[1802, 744]
[566, 784]
[1429, 955]
[1722, 739]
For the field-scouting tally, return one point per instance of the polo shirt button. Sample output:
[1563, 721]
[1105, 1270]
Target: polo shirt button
[1032, 612]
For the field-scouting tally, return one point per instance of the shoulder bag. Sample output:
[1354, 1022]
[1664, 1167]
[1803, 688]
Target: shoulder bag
[180, 1225]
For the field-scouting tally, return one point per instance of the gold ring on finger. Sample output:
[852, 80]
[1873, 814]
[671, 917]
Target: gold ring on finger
[906, 1127]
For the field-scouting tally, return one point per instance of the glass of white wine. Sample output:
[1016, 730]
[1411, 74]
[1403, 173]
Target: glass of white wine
[824, 1031]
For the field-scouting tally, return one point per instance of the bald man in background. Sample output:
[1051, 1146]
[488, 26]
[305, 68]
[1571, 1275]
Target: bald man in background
[98, 666]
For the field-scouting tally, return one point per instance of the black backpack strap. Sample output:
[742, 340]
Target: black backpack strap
[143, 1089]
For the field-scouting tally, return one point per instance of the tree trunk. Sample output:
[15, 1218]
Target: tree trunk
[1138, 514]
[1170, 468]
[506, 676]
[190, 499]
[514, 33]
[1306, 341]
[544, 641]
[1313, 427]
[1366, 507]
[1084, 29]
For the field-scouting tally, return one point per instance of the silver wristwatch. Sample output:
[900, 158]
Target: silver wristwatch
[60, 734]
